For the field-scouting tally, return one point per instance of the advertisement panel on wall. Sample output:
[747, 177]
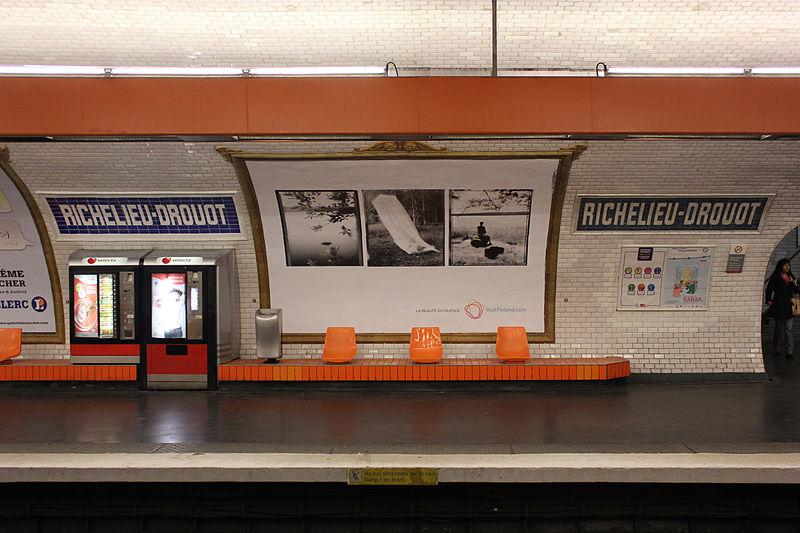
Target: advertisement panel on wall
[663, 277]
[386, 245]
[168, 305]
[26, 296]
[84, 300]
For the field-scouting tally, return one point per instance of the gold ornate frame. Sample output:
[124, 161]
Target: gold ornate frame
[410, 150]
[49, 256]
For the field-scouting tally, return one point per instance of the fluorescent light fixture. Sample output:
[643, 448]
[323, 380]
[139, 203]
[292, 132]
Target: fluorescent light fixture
[175, 71]
[776, 71]
[315, 71]
[677, 71]
[51, 70]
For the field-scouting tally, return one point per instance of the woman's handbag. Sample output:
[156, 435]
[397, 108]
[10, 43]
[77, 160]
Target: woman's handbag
[796, 305]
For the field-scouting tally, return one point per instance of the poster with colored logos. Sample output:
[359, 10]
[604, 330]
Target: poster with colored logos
[661, 277]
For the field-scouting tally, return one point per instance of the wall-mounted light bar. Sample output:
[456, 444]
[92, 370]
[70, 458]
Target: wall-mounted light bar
[174, 71]
[316, 71]
[676, 71]
[78, 71]
[775, 71]
[51, 70]
[58, 70]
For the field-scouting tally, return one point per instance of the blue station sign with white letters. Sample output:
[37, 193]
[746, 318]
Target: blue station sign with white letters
[183, 215]
[670, 213]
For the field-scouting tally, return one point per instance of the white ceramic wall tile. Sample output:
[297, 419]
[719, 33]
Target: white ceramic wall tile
[444, 36]
[725, 338]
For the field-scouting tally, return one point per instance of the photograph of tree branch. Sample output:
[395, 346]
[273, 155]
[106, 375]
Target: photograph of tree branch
[321, 228]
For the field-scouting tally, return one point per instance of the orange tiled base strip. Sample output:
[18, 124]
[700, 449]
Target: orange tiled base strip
[448, 370]
[64, 371]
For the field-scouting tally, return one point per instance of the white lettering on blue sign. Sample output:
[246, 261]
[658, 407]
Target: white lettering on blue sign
[670, 213]
[178, 215]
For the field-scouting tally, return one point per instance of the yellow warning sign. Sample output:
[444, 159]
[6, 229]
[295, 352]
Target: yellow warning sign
[392, 476]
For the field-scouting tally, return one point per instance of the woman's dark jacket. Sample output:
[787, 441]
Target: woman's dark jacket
[780, 294]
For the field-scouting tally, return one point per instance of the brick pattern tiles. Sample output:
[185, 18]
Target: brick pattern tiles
[574, 369]
[64, 371]
[415, 34]
[725, 338]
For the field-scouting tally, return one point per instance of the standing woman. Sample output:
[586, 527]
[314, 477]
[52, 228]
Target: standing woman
[780, 289]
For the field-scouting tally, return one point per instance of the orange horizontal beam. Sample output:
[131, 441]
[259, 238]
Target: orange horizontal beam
[405, 106]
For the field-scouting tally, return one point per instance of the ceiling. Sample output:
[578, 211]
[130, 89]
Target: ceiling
[422, 37]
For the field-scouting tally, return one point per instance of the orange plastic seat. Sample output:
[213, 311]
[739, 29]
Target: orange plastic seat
[10, 343]
[426, 345]
[340, 345]
[512, 344]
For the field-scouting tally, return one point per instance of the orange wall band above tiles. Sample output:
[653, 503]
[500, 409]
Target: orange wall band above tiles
[423, 105]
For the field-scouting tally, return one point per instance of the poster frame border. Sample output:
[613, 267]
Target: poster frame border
[411, 150]
[59, 336]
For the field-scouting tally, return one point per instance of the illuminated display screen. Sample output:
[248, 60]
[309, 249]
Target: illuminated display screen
[194, 299]
[84, 301]
[169, 306]
[106, 306]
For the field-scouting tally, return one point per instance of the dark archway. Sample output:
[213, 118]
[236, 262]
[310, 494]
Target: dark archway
[780, 366]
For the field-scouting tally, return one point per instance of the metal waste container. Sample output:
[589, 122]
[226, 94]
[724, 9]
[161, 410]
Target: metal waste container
[268, 334]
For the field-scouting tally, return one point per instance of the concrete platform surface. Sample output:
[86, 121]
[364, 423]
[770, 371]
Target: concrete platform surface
[700, 432]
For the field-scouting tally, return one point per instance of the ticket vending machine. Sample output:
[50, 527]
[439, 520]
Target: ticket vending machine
[103, 306]
[190, 318]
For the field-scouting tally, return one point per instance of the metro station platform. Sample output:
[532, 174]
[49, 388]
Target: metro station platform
[720, 432]
[250, 450]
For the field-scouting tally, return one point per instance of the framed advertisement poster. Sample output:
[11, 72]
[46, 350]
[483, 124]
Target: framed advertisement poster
[402, 234]
[664, 278]
[30, 292]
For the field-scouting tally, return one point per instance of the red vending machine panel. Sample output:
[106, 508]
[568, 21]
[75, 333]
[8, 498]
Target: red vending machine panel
[191, 317]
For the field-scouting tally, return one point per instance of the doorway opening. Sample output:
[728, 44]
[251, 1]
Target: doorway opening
[779, 363]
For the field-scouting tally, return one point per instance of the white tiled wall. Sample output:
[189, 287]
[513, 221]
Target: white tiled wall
[443, 35]
[725, 338]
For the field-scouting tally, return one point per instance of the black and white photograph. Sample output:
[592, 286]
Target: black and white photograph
[489, 226]
[321, 228]
[405, 227]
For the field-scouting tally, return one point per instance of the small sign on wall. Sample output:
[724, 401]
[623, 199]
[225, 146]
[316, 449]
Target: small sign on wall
[735, 259]
[663, 277]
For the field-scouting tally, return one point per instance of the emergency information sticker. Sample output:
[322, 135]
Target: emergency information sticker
[393, 476]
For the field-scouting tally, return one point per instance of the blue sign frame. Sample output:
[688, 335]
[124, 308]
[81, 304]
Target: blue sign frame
[670, 213]
[145, 215]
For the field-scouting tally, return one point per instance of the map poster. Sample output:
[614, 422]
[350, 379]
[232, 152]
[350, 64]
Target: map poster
[641, 278]
[662, 277]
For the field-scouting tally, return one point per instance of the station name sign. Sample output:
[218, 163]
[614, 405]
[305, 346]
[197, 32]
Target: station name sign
[144, 215]
[670, 213]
